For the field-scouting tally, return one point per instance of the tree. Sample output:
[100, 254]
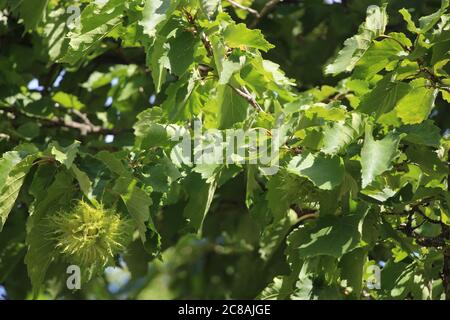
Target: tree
[161, 140]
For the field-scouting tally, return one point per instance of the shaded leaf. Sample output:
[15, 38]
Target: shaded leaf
[12, 185]
[325, 172]
[355, 47]
[377, 155]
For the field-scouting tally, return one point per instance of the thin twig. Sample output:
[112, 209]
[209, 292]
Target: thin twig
[429, 242]
[425, 217]
[242, 7]
[86, 127]
[270, 5]
[206, 43]
[308, 216]
[244, 93]
[384, 36]
[83, 117]
[435, 80]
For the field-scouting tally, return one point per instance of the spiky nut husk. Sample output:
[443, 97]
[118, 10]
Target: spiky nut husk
[90, 237]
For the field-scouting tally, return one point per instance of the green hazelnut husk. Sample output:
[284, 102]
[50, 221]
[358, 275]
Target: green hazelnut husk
[90, 237]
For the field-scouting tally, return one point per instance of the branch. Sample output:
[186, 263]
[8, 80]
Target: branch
[308, 216]
[336, 97]
[206, 43]
[242, 7]
[405, 48]
[408, 229]
[303, 215]
[425, 217]
[270, 5]
[435, 80]
[436, 242]
[244, 93]
[86, 127]
[429, 242]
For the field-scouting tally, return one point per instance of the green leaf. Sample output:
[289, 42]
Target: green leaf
[352, 271]
[428, 22]
[281, 288]
[55, 29]
[201, 194]
[65, 155]
[137, 259]
[150, 133]
[100, 79]
[181, 52]
[232, 107]
[326, 112]
[138, 203]
[11, 256]
[210, 7]
[155, 15]
[183, 101]
[397, 279]
[380, 54]
[113, 162]
[32, 12]
[161, 175]
[356, 47]
[425, 133]
[42, 179]
[13, 183]
[29, 130]
[230, 66]
[97, 20]
[325, 172]
[338, 135]
[377, 155]
[252, 186]
[41, 250]
[172, 51]
[409, 22]
[274, 290]
[68, 101]
[410, 102]
[239, 36]
[7, 163]
[84, 183]
[416, 106]
[384, 97]
[159, 62]
[275, 234]
[283, 190]
[227, 108]
[331, 236]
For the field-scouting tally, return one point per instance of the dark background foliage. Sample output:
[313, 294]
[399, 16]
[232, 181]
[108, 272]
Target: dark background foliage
[307, 35]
